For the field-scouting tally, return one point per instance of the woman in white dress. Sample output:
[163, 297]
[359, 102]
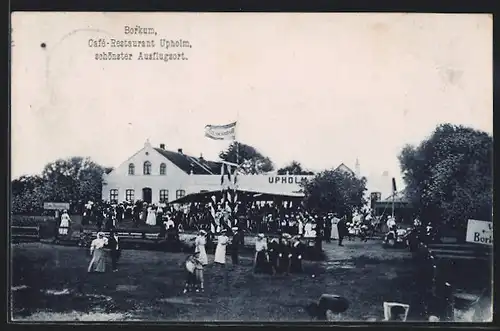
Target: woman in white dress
[308, 228]
[335, 229]
[64, 225]
[220, 250]
[261, 258]
[199, 246]
[151, 219]
[98, 262]
[301, 226]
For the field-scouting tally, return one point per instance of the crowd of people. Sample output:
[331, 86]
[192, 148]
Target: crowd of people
[275, 256]
[252, 217]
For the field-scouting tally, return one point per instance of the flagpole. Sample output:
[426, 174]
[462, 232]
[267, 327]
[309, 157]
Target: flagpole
[393, 194]
[237, 152]
[233, 211]
[236, 137]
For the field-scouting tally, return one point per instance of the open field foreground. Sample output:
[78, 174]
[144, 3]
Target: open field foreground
[50, 283]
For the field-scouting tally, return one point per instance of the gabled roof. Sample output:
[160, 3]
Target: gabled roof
[343, 167]
[189, 163]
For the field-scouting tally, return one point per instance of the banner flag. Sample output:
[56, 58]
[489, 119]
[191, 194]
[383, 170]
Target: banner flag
[221, 132]
[212, 211]
[222, 172]
[228, 171]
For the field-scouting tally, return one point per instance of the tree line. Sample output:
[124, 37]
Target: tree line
[448, 178]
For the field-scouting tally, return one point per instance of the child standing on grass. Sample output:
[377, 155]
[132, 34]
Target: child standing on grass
[199, 273]
[194, 274]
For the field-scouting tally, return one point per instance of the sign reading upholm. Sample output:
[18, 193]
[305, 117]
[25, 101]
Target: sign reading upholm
[221, 132]
[287, 179]
[480, 232]
[55, 205]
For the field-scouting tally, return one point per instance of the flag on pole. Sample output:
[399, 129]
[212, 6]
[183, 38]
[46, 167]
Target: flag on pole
[225, 171]
[221, 132]
[228, 171]
[212, 210]
[235, 178]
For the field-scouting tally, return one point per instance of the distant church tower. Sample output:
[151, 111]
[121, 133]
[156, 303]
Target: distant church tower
[357, 169]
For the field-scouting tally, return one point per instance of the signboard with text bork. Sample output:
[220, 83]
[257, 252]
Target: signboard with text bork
[480, 232]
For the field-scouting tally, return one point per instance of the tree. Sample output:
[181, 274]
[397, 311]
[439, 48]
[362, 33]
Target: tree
[27, 195]
[251, 160]
[74, 179]
[294, 168]
[335, 191]
[449, 175]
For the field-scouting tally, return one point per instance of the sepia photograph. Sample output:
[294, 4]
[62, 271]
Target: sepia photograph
[251, 167]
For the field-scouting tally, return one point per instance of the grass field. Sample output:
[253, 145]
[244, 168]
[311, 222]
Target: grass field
[51, 283]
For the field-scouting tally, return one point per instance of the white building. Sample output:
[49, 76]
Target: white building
[159, 175]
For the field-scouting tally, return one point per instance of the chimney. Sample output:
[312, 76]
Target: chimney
[201, 157]
[179, 150]
[162, 146]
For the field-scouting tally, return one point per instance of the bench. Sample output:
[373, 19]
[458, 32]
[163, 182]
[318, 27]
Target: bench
[25, 233]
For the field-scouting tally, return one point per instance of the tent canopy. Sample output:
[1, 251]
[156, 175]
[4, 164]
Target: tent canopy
[205, 197]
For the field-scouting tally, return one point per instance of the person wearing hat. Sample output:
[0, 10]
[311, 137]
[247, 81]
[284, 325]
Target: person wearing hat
[115, 249]
[87, 213]
[300, 226]
[327, 221]
[308, 228]
[199, 246]
[284, 254]
[220, 250]
[342, 229]
[273, 256]
[98, 262]
[261, 258]
[297, 251]
[194, 273]
[65, 224]
[328, 308]
[235, 245]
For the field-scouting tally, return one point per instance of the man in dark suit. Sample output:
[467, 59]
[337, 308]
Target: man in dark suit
[297, 251]
[235, 243]
[120, 210]
[115, 249]
[328, 228]
[273, 249]
[342, 228]
[284, 254]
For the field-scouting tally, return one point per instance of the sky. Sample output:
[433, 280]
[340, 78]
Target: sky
[322, 89]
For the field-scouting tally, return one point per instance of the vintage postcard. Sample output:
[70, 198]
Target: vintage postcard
[251, 167]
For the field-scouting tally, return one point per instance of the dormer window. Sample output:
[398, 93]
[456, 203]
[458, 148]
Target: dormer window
[147, 168]
[163, 169]
[131, 169]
